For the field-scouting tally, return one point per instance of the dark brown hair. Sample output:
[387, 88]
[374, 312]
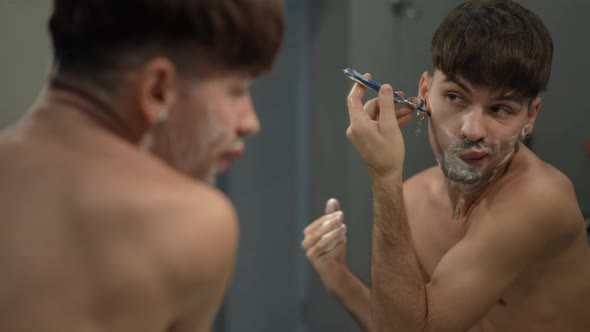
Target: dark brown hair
[92, 36]
[497, 43]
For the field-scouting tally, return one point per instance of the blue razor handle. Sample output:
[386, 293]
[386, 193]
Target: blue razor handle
[375, 86]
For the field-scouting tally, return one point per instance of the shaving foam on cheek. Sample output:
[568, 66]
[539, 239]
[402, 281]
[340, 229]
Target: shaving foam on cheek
[191, 147]
[449, 149]
[511, 146]
[442, 138]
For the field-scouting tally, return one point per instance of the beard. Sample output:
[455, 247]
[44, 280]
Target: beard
[190, 149]
[457, 170]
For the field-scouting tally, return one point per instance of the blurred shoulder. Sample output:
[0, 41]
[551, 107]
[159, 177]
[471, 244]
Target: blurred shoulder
[188, 226]
[197, 226]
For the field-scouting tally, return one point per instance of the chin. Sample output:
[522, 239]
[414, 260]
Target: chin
[210, 176]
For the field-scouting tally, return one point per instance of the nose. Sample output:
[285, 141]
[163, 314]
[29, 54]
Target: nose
[249, 122]
[473, 127]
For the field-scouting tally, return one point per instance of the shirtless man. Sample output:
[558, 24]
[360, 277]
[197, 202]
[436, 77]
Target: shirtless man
[491, 240]
[109, 219]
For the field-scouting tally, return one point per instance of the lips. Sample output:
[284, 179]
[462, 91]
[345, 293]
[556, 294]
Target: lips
[475, 158]
[228, 158]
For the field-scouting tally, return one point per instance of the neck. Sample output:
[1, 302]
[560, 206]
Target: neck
[93, 104]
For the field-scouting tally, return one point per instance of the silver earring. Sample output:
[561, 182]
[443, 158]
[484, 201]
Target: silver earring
[147, 140]
[162, 116]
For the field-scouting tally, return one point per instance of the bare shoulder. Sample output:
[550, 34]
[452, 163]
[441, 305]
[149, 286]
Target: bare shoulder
[175, 236]
[190, 232]
[194, 231]
[199, 234]
[541, 196]
[541, 185]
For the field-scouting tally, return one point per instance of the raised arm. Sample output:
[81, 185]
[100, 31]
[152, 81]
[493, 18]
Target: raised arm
[398, 290]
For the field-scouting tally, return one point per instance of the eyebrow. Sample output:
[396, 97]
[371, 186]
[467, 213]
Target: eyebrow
[451, 79]
[511, 97]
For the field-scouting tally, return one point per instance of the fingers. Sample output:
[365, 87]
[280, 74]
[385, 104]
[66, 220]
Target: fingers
[387, 116]
[334, 244]
[328, 242]
[372, 109]
[405, 112]
[323, 225]
[319, 227]
[355, 101]
[327, 221]
[321, 221]
[332, 205]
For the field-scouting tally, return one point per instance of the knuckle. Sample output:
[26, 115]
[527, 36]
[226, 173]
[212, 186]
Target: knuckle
[351, 132]
[319, 234]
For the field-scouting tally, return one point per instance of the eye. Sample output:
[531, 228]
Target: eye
[454, 98]
[501, 110]
[240, 88]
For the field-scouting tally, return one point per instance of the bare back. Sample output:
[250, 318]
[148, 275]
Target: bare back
[552, 292]
[96, 236]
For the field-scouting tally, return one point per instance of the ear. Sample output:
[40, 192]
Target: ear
[534, 108]
[424, 85]
[157, 90]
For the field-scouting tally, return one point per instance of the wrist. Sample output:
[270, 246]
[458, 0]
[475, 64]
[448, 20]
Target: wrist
[388, 179]
[339, 282]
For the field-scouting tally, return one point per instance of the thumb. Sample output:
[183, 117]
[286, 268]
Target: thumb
[332, 205]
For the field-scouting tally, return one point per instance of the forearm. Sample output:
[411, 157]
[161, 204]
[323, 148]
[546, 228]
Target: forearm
[355, 296]
[398, 298]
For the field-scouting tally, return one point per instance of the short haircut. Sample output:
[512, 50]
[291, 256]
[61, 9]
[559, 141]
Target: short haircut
[497, 43]
[94, 36]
